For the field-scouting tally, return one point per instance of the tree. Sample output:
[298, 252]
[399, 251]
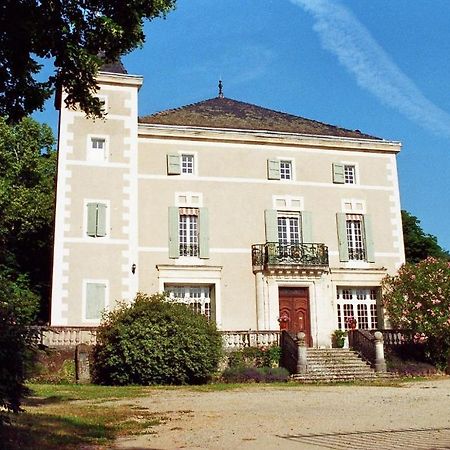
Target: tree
[418, 299]
[78, 36]
[155, 341]
[27, 196]
[418, 244]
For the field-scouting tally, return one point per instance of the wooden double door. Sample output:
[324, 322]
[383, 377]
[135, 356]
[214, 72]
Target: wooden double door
[294, 311]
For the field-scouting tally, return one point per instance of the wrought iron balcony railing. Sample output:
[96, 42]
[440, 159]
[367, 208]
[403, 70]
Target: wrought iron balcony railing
[301, 254]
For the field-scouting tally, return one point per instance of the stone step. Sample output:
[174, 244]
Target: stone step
[335, 365]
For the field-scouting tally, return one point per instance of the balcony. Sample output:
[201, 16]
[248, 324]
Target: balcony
[274, 255]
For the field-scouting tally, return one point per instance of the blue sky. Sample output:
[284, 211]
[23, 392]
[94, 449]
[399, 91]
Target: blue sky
[379, 66]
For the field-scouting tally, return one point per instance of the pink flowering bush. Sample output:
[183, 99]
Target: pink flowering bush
[418, 299]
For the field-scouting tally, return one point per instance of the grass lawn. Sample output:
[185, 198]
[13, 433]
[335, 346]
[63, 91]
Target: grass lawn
[70, 416]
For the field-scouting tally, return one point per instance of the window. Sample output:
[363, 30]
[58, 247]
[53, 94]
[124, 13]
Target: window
[289, 229]
[285, 170]
[95, 300]
[349, 174]
[279, 169]
[187, 164]
[197, 297]
[97, 149]
[96, 219]
[357, 303]
[188, 229]
[178, 164]
[344, 173]
[355, 238]
[188, 232]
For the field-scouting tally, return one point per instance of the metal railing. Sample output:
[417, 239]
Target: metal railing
[363, 342]
[302, 254]
[289, 352]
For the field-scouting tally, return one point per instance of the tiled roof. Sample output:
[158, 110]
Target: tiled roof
[114, 67]
[222, 112]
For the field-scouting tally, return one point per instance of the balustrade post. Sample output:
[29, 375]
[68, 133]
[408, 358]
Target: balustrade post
[302, 366]
[380, 363]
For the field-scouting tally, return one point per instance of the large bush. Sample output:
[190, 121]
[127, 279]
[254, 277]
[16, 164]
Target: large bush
[155, 341]
[418, 299]
[18, 308]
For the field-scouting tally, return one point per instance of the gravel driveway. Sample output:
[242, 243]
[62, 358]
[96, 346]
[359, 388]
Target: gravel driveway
[413, 416]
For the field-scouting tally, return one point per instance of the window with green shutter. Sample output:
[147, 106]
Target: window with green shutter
[173, 164]
[96, 219]
[95, 300]
[338, 173]
[273, 169]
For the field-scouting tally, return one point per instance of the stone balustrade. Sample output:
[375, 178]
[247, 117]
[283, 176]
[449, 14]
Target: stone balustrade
[234, 340]
[72, 336]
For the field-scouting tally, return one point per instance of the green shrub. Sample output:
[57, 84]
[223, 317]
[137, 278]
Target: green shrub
[154, 341]
[255, 374]
[255, 357]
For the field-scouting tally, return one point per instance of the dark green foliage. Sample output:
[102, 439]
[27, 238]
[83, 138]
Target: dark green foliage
[418, 244]
[72, 34]
[255, 374]
[27, 186]
[154, 341]
[255, 357]
[18, 307]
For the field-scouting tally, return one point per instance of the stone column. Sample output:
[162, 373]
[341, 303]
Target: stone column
[380, 363]
[302, 366]
[259, 279]
[82, 367]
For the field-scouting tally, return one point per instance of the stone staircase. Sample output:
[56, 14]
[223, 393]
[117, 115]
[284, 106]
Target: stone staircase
[336, 365]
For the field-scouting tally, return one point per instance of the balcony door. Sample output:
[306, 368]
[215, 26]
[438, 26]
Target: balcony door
[294, 311]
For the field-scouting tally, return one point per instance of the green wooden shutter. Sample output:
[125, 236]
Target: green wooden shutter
[174, 232]
[273, 169]
[341, 219]
[173, 164]
[338, 173]
[370, 251]
[307, 231]
[204, 232]
[95, 300]
[271, 221]
[101, 220]
[92, 219]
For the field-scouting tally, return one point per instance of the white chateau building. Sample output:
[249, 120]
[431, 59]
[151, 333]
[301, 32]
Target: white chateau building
[256, 218]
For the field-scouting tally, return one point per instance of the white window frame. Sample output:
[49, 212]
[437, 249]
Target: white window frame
[107, 219]
[288, 170]
[353, 238]
[194, 165]
[85, 282]
[356, 174]
[192, 238]
[290, 215]
[342, 305]
[208, 275]
[90, 152]
[187, 299]
[292, 163]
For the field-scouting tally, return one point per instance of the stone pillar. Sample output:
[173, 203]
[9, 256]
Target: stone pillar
[380, 363]
[259, 277]
[302, 366]
[82, 367]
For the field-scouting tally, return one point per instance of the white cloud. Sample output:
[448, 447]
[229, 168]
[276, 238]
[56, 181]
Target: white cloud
[342, 34]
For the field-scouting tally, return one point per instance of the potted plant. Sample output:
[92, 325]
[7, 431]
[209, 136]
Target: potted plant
[339, 338]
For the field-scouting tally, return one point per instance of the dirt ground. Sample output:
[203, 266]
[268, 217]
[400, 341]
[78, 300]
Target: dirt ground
[415, 415]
